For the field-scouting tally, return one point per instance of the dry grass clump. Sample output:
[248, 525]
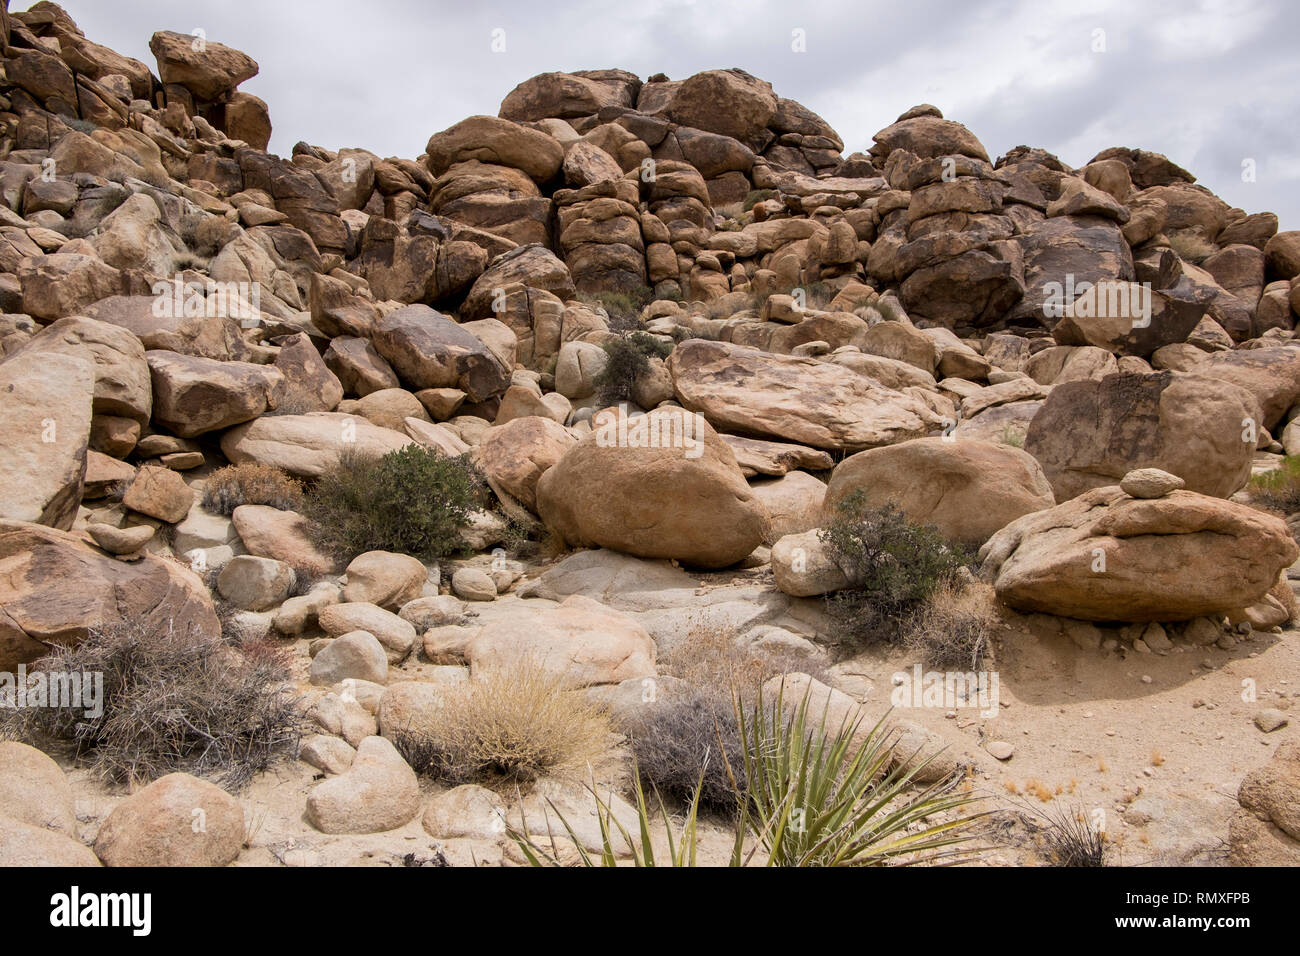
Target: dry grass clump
[711, 657]
[953, 627]
[171, 702]
[1071, 839]
[1278, 490]
[684, 744]
[251, 483]
[508, 727]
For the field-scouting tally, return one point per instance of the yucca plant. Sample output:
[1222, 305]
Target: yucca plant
[681, 847]
[831, 796]
[813, 797]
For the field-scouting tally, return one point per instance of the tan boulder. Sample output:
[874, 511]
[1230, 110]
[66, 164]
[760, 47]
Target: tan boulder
[178, 820]
[378, 792]
[579, 640]
[384, 578]
[121, 376]
[159, 493]
[514, 456]
[967, 489]
[1105, 556]
[794, 399]
[306, 445]
[664, 485]
[45, 418]
[271, 533]
[492, 140]
[206, 69]
[1091, 433]
[193, 395]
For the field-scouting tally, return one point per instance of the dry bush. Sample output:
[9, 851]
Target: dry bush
[710, 657]
[688, 741]
[171, 702]
[1278, 490]
[507, 727]
[251, 484]
[953, 627]
[1070, 838]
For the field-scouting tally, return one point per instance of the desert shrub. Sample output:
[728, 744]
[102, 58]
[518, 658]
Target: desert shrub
[411, 501]
[1013, 437]
[1279, 489]
[683, 745]
[251, 483]
[623, 309]
[629, 359]
[757, 196]
[894, 566]
[815, 795]
[171, 702]
[189, 260]
[1192, 247]
[951, 629]
[1070, 838]
[507, 727]
[711, 657]
[295, 400]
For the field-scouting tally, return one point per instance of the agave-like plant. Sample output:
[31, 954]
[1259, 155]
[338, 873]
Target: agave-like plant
[814, 796]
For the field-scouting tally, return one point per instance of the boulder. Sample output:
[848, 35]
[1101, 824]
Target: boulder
[178, 820]
[271, 533]
[356, 655]
[1106, 556]
[384, 578]
[121, 375]
[208, 70]
[664, 485]
[966, 489]
[307, 445]
[159, 493]
[428, 350]
[378, 792]
[579, 640]
[193, 396]
[794, 399]
[1272, 375]
[489, 139]
[45, 418]
[1089, 434]
[397, 635]
[514, 456]
[23, 845]
[792, 502]
[34, 791]
[255, 584]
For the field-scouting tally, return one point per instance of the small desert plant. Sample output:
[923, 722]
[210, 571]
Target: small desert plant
[757, 196]
[295, 400]
[189, 260]
[894, 566]
[629, 359]
[678, 745]
[952, 628]
[507, 727]
[822, 794]
[171, 701]
[251, 483]
[1192, 247]
[711, 657]
[816, 795]
[412, 501]
[622, 308]
[1012, 436]
[1279, 489]
[1071, 839]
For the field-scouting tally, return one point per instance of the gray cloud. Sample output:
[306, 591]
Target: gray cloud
[1210, 83]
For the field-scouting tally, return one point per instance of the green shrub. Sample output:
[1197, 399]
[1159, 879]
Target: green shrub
[894, 566]
[170, 702]
[250, 483]
[629, 359]
[1279, 489]
[411, 501]
[622, 308]
[757, 196]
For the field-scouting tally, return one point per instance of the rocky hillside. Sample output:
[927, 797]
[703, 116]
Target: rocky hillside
[673, 335]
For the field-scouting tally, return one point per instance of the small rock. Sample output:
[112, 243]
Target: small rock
[472, 584]
[120, 540]
[178, 820]
[1270, 719]
[1000, 749]
[1150, 483]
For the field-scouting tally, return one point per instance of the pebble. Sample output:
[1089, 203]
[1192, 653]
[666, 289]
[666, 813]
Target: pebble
[1270, 719]
[1000, 749]
[1146, 678]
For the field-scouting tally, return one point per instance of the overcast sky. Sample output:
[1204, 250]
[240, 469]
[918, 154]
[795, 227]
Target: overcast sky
[1211, 83]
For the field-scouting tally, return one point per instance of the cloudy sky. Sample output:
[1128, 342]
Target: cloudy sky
[1214, 84]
